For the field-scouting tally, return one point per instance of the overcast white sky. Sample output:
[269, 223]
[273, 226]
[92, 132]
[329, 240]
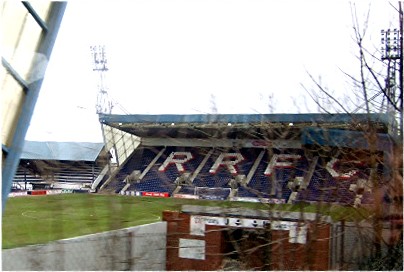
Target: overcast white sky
[170, 57]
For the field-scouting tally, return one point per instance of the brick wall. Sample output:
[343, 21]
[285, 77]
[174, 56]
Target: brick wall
[314, 255]
[261, 250]
[178, 228]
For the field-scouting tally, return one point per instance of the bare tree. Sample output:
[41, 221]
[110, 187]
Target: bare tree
[378, 88]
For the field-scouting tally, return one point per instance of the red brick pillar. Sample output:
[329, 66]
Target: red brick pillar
[178, 227]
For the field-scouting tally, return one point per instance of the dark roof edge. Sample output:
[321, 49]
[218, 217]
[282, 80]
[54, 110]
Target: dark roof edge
[244, 118]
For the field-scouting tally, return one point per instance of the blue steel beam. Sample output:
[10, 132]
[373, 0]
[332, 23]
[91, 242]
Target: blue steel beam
[35, 15]
[45, 47]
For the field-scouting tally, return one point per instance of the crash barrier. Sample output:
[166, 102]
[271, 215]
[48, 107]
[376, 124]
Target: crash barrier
[47, 192]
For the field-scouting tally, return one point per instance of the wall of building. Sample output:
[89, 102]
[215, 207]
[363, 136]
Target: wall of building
[136, 248]
[178, 226]
[314, 255]
[259, 249]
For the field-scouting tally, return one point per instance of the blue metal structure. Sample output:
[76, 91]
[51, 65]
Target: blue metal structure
[244, 118]
[12, 153]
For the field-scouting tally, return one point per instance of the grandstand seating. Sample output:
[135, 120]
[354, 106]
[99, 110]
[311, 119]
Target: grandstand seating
[259, 185]
[153, 181]
[206, 179]
[84, 173]
[325, 187]
[187, 189]
[76, 175]
[24, 174]
[277, 186]
[164, 175]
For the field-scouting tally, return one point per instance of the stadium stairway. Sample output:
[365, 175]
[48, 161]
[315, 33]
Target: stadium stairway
[114, 183]
[124, 188]
[99, 178]
[177, 189]
[292, 197]
[233, 193]
[304, 183]
[254, 168]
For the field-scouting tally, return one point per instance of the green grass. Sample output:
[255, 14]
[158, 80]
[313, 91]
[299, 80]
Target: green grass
[34, 220]
[40, 219]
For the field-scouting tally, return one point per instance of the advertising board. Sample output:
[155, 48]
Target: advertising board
[53, 192]
[155, 194]
[15, 194]
[186, 196]
[37, 192]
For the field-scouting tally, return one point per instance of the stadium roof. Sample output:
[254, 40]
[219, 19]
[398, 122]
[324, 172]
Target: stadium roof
[244, 118]
[61, 151]
[235, 125]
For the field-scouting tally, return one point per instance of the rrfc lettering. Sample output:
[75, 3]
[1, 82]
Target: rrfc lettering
[230, 161]
[177, 158]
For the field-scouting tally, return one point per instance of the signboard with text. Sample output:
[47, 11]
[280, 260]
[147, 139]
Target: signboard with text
[297, 231]
[155, 194]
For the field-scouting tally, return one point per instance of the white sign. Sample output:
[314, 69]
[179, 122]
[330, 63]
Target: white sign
[53, 192]
[247, 223]
[197, 226]
[14, 194]
[192, 249]
[297, 231]
[283, 225]
[298, 234]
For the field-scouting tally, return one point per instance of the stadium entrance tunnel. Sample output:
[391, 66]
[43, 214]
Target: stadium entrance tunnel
[246, 249]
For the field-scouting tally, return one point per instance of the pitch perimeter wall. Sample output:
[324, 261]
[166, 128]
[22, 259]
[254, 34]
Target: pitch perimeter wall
[135, 248]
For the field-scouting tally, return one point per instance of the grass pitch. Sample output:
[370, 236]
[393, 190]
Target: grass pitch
[40, 219]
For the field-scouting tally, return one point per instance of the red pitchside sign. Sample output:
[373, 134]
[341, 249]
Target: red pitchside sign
[155, 194]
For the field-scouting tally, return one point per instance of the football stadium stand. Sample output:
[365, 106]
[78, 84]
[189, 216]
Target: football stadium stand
[269, 158]
[59, 165]
[275, 158]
